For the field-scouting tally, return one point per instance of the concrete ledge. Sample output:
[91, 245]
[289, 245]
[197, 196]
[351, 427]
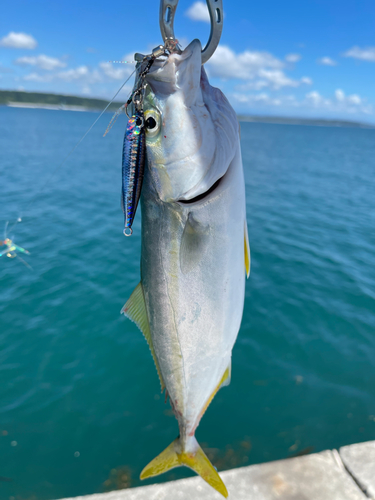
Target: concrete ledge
[321, 476]
[359, 459]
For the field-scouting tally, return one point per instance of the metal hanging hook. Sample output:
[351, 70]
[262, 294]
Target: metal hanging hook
[215, 9]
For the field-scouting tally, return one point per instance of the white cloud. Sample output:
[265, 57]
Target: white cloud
[18, 41]
[313, 102]
[253, 85]
[35, 77]
[116, 73]
[80, 73]
[265, 100]
[225, 63]
[354, 99]
[348, 104]
[366, 54]
[293, 58]
[340, 95]
[198, 12]
[315, 98]
[277, 79]
[260, 69]
[42, 61]
[326, 61]
[263, 97]
[257, 99]
[351, 104]
[350, 99]
[85, 75]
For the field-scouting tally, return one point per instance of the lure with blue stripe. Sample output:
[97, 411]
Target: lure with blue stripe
[133, 165]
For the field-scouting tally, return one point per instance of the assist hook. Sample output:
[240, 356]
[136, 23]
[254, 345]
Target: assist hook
[215, 9]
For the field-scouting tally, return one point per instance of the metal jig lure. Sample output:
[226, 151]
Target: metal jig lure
[134, 149]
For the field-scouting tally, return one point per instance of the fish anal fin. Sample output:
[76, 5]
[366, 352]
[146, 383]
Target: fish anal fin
[135, 309]
[174, 456]
[247, 251]
[224, 381]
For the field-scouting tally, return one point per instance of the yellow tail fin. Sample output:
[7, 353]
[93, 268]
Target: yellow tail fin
[173, 456]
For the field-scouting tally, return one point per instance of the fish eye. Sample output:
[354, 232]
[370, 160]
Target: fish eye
[152, 122]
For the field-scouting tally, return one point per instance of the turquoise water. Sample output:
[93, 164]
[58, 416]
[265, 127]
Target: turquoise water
[80, 408]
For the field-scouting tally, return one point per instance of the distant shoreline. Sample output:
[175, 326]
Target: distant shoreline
[316, 122]
[60, 102]
[54, 107]
[21, 99]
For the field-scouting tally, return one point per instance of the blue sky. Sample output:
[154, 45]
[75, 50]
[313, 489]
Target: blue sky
[310, 58]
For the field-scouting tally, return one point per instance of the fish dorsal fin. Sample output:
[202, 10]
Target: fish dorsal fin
[135, 309]
[247, 252]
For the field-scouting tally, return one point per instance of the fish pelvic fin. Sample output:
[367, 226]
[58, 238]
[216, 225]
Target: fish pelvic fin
[175, 456]
[247, 251]
[135, 309]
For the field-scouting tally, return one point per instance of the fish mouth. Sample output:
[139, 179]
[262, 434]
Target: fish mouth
[202, 196]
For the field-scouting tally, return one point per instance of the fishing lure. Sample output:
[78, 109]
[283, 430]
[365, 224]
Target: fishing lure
[12, 249]
[133, 165]
[134, 148]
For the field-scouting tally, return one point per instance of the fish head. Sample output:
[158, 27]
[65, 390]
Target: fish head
[191, 129]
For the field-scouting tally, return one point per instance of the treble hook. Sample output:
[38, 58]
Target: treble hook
[215, 9]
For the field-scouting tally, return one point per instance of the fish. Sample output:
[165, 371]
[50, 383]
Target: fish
[133, 165]
[195, 250]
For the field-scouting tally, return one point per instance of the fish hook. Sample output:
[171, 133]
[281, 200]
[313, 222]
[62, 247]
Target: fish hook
[215, 9]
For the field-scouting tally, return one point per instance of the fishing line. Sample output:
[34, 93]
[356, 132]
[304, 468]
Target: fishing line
[19, 219]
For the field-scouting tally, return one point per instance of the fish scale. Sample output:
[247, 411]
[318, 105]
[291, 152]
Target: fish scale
[133, 162]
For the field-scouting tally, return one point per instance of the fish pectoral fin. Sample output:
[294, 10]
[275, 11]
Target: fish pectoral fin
[247, 251]
[174, 456]
[135, 309]
[194, 244]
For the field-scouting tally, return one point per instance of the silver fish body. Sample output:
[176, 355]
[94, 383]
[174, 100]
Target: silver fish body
[192, 273]
[194, 247]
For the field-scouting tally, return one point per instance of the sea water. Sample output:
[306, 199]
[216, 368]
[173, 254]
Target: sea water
[80, 403]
